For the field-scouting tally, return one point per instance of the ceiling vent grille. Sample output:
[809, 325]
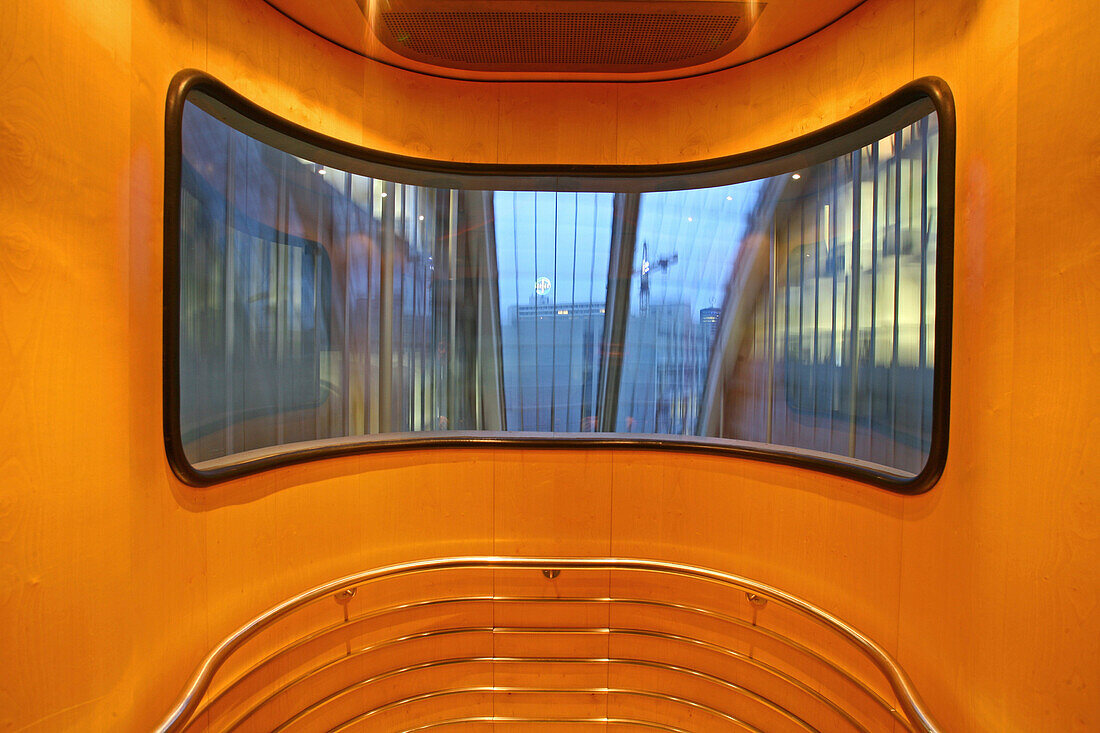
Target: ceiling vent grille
[569, 40]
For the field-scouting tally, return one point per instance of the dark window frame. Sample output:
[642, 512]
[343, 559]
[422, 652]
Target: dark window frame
[846, 134]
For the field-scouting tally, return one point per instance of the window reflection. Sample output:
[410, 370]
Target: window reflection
[835, 353]
[319, 305]
[554, 254]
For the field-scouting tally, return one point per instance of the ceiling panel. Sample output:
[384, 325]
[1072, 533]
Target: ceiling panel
[578, 40]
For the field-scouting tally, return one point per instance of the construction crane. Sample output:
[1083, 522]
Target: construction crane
[661, 263]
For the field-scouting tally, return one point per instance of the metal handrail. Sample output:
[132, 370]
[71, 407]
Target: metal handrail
[437, 663]
[908, 697]
[662, 605]
[526, 690]
[633, 723]
[638, 633]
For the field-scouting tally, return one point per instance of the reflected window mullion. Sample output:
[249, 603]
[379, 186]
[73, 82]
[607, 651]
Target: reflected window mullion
[282, 297]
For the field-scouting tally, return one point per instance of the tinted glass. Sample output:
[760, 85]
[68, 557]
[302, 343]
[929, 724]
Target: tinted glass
[795, 311]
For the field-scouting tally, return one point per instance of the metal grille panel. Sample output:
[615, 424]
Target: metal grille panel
[521, 39]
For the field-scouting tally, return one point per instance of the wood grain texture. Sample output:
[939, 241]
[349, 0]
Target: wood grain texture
[785, 22]
[1055, 441]
[566, 123]
[959, 538]
[63, 363]
[115, 579]
[550, 502]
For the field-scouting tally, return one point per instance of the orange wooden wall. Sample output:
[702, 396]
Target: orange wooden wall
[115, 579]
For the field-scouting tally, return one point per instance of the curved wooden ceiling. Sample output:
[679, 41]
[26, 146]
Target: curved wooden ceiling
[543, 40]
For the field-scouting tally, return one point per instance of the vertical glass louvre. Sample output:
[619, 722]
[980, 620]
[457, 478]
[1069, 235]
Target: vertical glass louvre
[553, 250]
[794, 313]
[317, 304]
[835, 354]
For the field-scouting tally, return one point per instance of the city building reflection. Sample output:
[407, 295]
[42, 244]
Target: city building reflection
[794, 311]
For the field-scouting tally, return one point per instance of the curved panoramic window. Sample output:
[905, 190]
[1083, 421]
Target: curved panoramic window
[791, 304]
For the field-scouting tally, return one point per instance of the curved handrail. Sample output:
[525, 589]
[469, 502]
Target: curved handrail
[908, 697]
[626, 631]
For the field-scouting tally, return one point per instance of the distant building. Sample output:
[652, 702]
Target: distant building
[709, 318]
[552, 358]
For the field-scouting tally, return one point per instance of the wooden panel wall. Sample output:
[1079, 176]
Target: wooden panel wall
[115, 579]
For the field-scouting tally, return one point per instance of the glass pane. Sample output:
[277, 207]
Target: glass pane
[553, 251]
[686, 250]
[321, 305]
[835, 349]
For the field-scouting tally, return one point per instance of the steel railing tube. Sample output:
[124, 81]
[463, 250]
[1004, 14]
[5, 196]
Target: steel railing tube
[187, 704]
